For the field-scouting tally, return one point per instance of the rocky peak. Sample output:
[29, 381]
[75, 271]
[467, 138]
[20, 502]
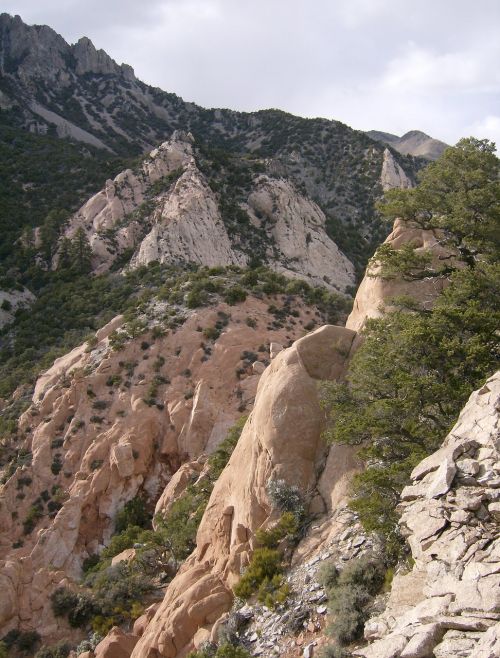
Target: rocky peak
[90, 60]
[393, 175]
[414, 142]
[32, 51]
[167, 212]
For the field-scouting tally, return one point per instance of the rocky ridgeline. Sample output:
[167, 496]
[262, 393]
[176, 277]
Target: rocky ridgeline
[166, 211]
[449, 604]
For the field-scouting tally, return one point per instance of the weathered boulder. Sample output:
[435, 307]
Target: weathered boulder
[116, 644]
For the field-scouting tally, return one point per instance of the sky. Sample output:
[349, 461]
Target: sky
[431, 65]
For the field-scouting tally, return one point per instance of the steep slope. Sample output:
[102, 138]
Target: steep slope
[448, 605]
[166, 211]
[375, 292]
[281, 440]
[414, 143]
[115, 418]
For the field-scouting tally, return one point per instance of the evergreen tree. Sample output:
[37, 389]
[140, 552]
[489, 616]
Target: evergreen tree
[64, 262]
[49, 233]
[80, 253]
[416, 368]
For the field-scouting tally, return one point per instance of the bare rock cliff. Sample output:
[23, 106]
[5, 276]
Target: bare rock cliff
[166, 211]
[374, 294]
[393, 175]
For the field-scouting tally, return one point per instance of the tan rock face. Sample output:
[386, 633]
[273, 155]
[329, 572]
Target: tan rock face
[392, 175]
[183, 222]
[188, 227]
[374, 293]
[281, 440]
[116, 644]
[449, 604]
[96, 443]
[111, 209]
[296, 227]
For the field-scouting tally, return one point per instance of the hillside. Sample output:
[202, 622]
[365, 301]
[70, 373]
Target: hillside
[50, 87]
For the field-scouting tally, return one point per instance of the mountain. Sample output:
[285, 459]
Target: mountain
[141, 418]
[51, 88]
[208, 448]
[414, 143]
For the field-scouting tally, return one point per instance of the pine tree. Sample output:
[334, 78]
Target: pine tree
[81, 253]
[416, 368]
[64, 262]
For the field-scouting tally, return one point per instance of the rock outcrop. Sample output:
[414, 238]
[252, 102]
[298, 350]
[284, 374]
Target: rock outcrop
[298, 243]
[449, 604]
[11, 301]
[188, 227]
[281, 440]
[414, 142]
[393, 175]
[119, 216]
[105, 425]
[374, 294]
[167, 212]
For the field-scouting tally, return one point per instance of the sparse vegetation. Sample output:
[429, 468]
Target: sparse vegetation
[350, 593]
[263, 575]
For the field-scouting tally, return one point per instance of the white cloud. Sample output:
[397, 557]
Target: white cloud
[487, 128]
[420, 70]
[377, 64]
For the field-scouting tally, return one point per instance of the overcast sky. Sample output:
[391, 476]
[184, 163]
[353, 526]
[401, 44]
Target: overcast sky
[391, 65]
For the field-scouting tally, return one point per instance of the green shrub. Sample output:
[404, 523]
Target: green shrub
[225, 650]
[27, 640]
[285, 497]
[328, 575]
[234, 295]
[29, 523]
[211, 333]
[333, 651]
[63, 600]
[134, 513]
[265, 564]
[10, 639]
[287, 526]
[57, 464]
[84, 609]
[231, 651]
[3, 650]
[350, 593]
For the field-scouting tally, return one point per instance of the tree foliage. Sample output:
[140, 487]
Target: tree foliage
[416, 368]
[459, 194]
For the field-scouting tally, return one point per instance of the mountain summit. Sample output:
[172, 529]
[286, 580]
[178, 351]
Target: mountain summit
[413, 142]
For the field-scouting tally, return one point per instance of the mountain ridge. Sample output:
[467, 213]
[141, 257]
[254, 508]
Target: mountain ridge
[81, 93]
